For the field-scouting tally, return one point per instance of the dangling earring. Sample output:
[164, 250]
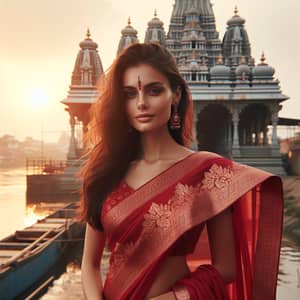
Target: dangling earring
[175, 118]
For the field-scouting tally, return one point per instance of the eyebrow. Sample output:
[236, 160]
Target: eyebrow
[149, 85]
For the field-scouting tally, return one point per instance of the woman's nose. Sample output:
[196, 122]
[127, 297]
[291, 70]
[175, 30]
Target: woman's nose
[141, 101]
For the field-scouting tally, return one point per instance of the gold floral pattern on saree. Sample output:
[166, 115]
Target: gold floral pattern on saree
[217, 177]
[159, 215]
[122, 253]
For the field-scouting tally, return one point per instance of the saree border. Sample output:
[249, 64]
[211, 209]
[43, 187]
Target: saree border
[150, 249]
[266, 263]
[154, 187]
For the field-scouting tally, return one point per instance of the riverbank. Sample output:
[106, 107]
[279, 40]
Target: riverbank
[291, 191]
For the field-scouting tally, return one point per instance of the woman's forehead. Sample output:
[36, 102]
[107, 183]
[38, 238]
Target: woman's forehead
[142, 74]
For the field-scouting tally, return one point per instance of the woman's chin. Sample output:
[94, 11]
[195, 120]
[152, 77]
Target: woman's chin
[148, 128]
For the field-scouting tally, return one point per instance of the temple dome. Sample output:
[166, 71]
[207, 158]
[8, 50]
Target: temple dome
[155, 21]
[129, 30]
[88, 43]
[155, 31]
[263, 70]
[242, 69]
[129, 36]
[220, 71]
[236, 42]
[236, 19]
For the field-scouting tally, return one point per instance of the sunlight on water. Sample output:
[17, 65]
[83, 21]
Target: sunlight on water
[12, 200]
[14, 214]
[33, 214]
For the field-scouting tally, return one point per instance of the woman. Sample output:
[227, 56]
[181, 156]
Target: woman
[150, 198]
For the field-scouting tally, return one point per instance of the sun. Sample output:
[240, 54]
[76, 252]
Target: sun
[38, 97]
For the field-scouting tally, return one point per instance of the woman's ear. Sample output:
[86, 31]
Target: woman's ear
[177, 95]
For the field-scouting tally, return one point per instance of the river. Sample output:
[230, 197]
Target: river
[14, 214]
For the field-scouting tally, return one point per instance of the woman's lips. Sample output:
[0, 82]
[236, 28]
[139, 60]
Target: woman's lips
[144, 118]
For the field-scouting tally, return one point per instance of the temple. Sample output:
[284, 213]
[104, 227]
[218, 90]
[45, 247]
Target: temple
[82, 93]
[236, 102]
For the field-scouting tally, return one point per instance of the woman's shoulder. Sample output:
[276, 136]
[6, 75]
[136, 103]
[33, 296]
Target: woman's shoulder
[207, 156]
[218, 163]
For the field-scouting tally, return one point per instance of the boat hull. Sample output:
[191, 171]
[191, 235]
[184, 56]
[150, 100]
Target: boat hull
[44, 251]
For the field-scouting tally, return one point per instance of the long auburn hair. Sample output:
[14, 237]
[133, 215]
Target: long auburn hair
[111, 141]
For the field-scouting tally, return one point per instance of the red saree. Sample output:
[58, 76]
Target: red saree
[143, 226]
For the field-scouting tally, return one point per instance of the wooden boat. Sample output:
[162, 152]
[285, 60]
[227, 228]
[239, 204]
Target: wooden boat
[27, 255]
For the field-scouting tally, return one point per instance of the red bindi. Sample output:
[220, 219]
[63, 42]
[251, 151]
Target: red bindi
[139, 83]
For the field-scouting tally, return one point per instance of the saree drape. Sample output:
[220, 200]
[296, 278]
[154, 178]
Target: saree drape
[142, 227]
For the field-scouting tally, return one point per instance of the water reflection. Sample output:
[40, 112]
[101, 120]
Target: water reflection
[288, 280]
[289, 272]
[14, 213]
[68, 286]
[12, 200]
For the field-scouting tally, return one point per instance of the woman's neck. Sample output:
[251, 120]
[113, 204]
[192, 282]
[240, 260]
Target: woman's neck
[158, 145]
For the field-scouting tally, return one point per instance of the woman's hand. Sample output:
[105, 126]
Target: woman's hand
[167, 296]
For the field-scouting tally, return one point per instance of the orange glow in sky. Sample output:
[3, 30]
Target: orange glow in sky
[40, 42]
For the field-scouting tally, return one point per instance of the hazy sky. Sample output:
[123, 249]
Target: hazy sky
[39, 45]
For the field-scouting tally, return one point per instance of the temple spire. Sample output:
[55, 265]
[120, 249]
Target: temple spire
[128, 37]
[203, 6]
[88, 34]
[263, 58]
[155, 31]
[236, 11]
[193, 27]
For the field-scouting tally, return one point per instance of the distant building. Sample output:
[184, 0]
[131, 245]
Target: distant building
[9, 142]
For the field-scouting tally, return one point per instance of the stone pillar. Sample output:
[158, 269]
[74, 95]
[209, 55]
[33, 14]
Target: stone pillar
[229, 135]
[72, 146]
[195, 142]
[274, 128]
[236, 144]
[265, 138]
[275, 145]
[256, 135]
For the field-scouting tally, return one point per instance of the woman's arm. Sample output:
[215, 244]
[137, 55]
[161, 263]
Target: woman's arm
[208, 281]
[90, 269]
[222, 246]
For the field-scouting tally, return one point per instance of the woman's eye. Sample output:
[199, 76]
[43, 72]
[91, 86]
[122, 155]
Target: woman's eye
[155, 91]
[129, 94]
